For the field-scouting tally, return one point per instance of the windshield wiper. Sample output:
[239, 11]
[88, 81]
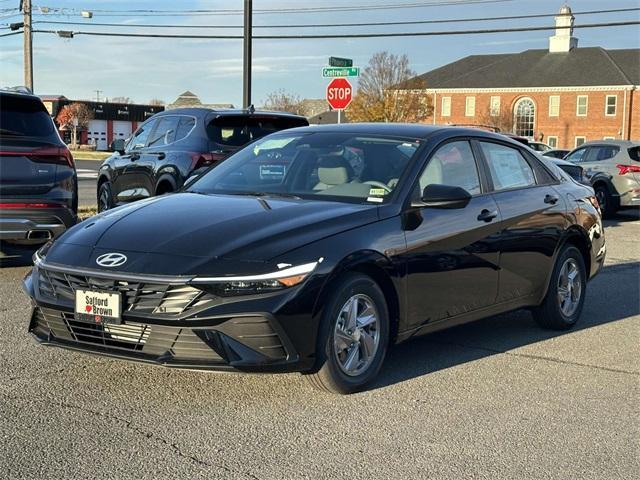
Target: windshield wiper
[4, 131]
[267, 194]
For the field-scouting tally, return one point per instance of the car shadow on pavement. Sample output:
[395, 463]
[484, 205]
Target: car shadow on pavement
[622, 217]
[506, 332]
[16, 255]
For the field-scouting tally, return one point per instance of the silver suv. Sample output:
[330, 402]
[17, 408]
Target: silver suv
[613, 166]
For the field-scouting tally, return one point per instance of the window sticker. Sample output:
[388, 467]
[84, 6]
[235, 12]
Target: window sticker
[375, 192]
[375, 199]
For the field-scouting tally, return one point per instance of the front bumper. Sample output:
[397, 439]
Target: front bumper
[35, 224]
[202, 337]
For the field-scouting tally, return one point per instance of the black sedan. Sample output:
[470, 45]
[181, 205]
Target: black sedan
[315, 249]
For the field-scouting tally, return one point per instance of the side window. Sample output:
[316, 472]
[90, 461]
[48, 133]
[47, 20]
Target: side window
[508, 167]
[139, 139]
[165, 132]
[576, 156]
[452, 164]
[184, 127]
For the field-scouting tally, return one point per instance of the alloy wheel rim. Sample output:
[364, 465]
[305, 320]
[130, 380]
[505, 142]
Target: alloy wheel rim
[602, 198]
[104, 201]
[569, 287]
[356, 336]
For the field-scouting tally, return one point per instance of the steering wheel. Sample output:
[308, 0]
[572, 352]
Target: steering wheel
[375, 183]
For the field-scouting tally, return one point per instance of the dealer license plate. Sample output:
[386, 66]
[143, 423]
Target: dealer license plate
[98, 307]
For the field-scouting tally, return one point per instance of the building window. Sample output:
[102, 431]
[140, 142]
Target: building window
[494, 106]
[582, 105]
[525, 117]
[554, 105]
[580, 141]
[609, 138]
[470, 107]
[446, 107]
[610, 105]
[552, 142]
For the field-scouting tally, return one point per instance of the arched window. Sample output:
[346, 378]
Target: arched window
[524, 117]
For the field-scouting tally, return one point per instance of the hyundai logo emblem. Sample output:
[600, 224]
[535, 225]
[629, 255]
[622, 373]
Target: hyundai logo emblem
[111, 260]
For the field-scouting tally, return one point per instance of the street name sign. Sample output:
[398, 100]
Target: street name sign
[333, 72]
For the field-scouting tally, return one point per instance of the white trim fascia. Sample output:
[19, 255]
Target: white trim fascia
[613, 88]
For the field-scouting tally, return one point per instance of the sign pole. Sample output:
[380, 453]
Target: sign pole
[246, 57]
[339, 112]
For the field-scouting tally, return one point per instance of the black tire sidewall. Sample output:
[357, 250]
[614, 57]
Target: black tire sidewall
[105, 186]
[574, 253]
[350, 285]
[608, 208]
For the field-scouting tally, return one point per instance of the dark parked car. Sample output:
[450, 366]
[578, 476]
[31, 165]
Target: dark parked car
[556, 153]
[574, 171]
[38, 184]
[176, 144]
[314, 249]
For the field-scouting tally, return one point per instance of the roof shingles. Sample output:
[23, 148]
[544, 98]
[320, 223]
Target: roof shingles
[580, 67]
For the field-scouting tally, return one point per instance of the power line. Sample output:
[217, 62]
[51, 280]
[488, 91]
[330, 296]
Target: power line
[336, 36]
[328, 9]
[329, 25]
[11, 33]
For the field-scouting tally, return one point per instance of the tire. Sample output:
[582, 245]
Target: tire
[608, 204]
[345, 368]
[560, 310]
[105, 197]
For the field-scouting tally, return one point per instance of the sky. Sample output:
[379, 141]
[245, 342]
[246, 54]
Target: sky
[145, 69]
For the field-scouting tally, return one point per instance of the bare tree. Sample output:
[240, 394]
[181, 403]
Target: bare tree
[284, 102]
[120, 100]
[156, 101]
[503, 121]
[389, 91]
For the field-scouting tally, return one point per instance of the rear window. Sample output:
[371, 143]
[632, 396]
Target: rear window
[24, 117]
[236, 131]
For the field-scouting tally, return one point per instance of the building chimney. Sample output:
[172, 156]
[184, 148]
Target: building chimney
[563, 40]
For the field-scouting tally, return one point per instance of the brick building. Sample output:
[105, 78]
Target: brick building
[563, 95]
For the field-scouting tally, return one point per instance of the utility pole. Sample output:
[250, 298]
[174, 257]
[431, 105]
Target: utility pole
[98, 92]
[28, 44]
[246, 59]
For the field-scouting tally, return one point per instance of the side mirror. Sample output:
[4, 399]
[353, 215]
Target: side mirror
[117, 146]
[443, 196]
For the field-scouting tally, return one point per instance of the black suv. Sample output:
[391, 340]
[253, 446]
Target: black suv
[176, 144]
[38, 183]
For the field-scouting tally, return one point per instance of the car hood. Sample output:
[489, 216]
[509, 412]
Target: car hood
[183, 233]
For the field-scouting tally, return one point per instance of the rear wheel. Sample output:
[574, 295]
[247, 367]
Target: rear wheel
[563, 303]
[353, 336]
[105, 197]
[608, 204]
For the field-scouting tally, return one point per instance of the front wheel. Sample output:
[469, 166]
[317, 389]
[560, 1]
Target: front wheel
[105, 197]
[353, 336]
[563, 303]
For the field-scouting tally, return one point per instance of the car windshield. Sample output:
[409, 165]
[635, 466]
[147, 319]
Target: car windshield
[332, 166]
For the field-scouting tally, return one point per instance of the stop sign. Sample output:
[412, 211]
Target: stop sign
[339, 93]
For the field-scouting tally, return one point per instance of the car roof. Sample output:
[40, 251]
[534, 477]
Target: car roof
[406, 130]
[18, 94]
[619, 143]
[204, 111]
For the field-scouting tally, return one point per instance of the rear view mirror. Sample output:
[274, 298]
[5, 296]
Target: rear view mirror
[117, 146]
[444, 196]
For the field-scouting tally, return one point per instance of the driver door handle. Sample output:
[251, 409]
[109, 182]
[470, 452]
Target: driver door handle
[487, 215]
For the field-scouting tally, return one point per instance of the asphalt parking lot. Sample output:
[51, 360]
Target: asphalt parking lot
[496, 399]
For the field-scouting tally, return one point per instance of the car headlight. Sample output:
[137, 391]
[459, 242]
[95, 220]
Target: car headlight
[38, 256]
[255, 284]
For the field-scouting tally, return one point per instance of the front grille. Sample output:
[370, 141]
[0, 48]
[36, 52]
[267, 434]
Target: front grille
[159, 342]
[156, 299]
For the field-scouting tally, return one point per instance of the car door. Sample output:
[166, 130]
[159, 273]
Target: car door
[532, 218]
[154, 155]
[126, 185]
[452, 254]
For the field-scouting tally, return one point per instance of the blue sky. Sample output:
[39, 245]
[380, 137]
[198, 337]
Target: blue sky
[143, 69]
